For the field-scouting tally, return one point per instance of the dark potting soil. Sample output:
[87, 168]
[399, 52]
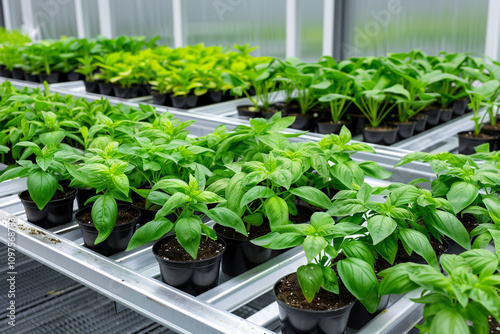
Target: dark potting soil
[303, 216]
[9, 160]
[254, 232]
[171, 250]
[381, 128]
[57, 196]
[438, 249]
[140, 203]
[288, 290]
[495, 127]
[469, 222]
[125, 215]
[481, 135]
[494, 326]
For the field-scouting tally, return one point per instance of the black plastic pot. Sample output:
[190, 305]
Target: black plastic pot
[184, 102]
[83, 195]
[420, 122]
[302, 122]
[92, 87]
[161, 99]
[382, 137]
[50, 78]
[74, 76]
[116, 242]
[466, 144]
[18, 73]
[445, 115]
[193, 277]
[55, 213]
[359, 123]
[268, 114]
[122, 92]
[433, 116]
[106, 89]
[359, 316]
[487, 128]
[460, 106]
[215, 96]
[4, 72]
[331, 127]
[248, 111]
[241, 255]
[405, 129]
[31, 77]
[298, 321]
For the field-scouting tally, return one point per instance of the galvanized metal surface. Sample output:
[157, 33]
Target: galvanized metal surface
[129, 278]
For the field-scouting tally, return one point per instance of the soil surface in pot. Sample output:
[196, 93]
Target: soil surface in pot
[141, 204]
[125, 215]
[381, 128]
[57, 196]
[468, 221]
[438, 249]
[255, 232]
[481, 135]
[495, 127]
[288, 290]
[303, 216]
[171, 250]
[494, 326]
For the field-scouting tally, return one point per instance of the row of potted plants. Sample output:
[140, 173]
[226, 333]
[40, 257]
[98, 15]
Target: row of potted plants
[256, 185]
[385, 98]
[58, 60]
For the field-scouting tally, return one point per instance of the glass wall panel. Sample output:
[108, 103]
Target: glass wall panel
[259, 23]
[53, 19]
[143, 18]
[16, 15]
[310, 27]
[376, 27]
[91, 18]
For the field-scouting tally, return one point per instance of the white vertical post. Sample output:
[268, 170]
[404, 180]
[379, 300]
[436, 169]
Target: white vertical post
[492, 30]
[6, 14]
[291, 28]
[328, 26]
[105, 18]
[28, 24]
[80, 25]
[177, 18]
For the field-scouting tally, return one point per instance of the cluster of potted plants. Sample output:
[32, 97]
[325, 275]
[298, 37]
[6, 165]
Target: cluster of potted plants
[58, 60]
[182, 77]
[385, 98]
[266, 194]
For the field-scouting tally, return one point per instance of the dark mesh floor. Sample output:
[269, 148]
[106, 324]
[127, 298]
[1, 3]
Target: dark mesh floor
[49, 302]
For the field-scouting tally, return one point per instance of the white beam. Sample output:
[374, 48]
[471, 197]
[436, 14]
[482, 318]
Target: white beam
[177, 18]
[80, 25]
[105, 18]
[493, 30]
[7, 14]
[291, 28]
[328, 26]
[28, 25]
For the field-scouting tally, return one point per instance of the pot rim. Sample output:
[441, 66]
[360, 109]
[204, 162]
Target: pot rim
[124, 225]
[282, 303]
[186, 262]
[51, 201]
[462, 134]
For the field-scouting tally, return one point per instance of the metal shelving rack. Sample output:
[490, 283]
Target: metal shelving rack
[131, 279]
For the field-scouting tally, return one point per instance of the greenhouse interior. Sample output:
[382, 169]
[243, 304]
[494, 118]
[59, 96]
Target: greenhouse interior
[237, 166]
